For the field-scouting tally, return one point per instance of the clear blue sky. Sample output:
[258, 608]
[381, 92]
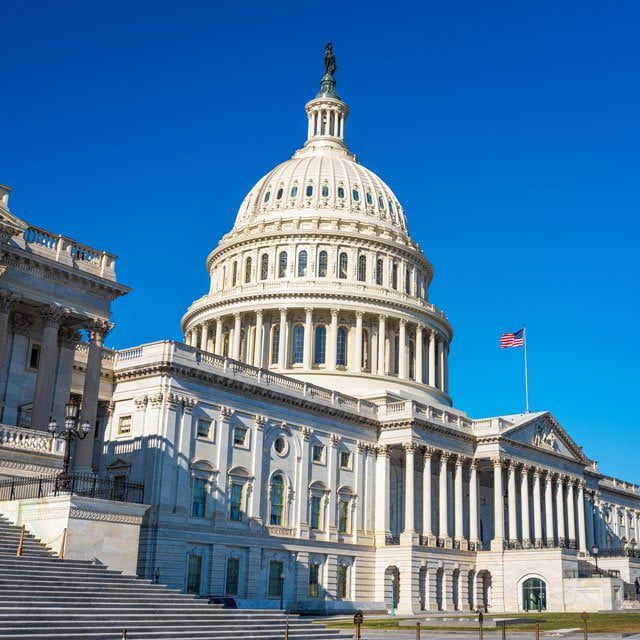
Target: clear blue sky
[509, 130]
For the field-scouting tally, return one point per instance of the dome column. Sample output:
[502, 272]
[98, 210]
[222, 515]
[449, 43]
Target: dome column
[217, 347]
[308, 336]
[282, 341]
[402, 350]
[419, 356]
[358, 350]
[432, 358]
[333, 341]
[237, 330]
[257, 345]
[204, 336]
[440, 381]
[382, 337]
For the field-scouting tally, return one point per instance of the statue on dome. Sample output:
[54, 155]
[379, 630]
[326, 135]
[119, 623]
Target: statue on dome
[329, 59]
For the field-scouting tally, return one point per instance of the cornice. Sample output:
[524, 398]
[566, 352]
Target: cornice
[428, 426]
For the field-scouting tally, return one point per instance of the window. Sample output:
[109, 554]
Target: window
[267, 196]
[294, 191]
[234, 276]
[369, 198]
[203, 428]
[342, 266]
[355, 195]
[280, 446]
[343, 516]
[34, 356]
[396, 355]
[314, 580]
[379, 271]
[275, 344]
[380, 202]
[277, 501]
[194, 574]
[240, 437]
[407, 280]
[345, 459]
[298, 344]
[198, 504]
[362, 268]
[236, 507]
[302, 264]
[316, 506]
[322, 264]
[534, 595]
[276, 579]
[325, 191]
[341, 193]
[318, 453]
[342, 590]
[412, 360]
[390, 206]
[394, 275]
[309, 190]
[124, 425]
[321, 344]
[247, 269]
[282, 264]
[264, 266]
[233, 573]
[341, 352]
[279, 193]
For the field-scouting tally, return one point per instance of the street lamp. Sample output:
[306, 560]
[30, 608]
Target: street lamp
[595, 550]
[282, 590]
[71, 431]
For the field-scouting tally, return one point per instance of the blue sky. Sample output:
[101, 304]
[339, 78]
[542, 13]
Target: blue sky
[509, 131]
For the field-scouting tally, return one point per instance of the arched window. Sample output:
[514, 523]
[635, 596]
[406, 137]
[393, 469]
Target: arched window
[309, 190]
[298, 344]
[294, 191]
[325, 191]
[341, 347]
[234, 274]
[224, 276]
[342, 266]
[379, 271]
[279, 193]
[282, 264]
[302, 264]
[534, 595]
[264, 266]
[365, 350]
[407, 280]
[394, 275]
[321, 345]
[369, 198]
[322, 264]
[390, 206]
[267, 196]
[275, 344]
[247, 269]
[412, 362]
[380, 202]
[396, 354]
[341, 193]
[277, 501]
[362, 268]
[355, 194]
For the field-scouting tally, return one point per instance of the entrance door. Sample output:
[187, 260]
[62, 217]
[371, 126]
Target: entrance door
[276, 579]
[194, 574]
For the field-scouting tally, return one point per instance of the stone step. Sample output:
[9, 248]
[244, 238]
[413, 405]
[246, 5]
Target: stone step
[171, 633]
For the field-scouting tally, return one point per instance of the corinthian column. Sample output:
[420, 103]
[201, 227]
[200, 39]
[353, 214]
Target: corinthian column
[432, 358]
[458, 509]
[473, 503]
[308, 338]
[441, 365]
[7, 300]
[537, 509]
[582, 533]
[427, 530]
[513, 509]
[498, 506]
[382, 338]
[257, 345]
[237, 336]
[560, 509]
[409, 497]
[402, 349]
[548, 508]
[332, 351]
[571, 516]
[419, 356]
[524, 506]
[282, 340]
[52, 318]
[204, 337]
[358, 345]
[443, 505]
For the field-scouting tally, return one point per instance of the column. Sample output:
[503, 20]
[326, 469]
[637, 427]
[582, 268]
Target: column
[440, 381]
[237, 334]
[443, 501]
[582, 534]
[432, 358]
[52, 318]
[7, 300]
[97, 331]
[548, 509]
[402, 349]
[308, 338]
[458, 505]
[282, 341]
[473, 503]
[217, 348]
[257, 489]
[257, 346]
[409, 532]
[427, 530]
[358, 350]
[498, 506]
[571, 516]
[513, 509]
[589, 520]
[204, 337]
[382, 494]
[332, 347]
[560, 509]
[524, 506]
[537, 509]
[419, 356]
[382, 337]
[445, 363]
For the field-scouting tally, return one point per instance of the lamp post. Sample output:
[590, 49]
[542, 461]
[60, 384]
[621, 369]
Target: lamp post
[282, 590]
[72, 430]
[595, 550]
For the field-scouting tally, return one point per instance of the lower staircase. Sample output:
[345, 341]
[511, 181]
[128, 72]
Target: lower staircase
[45, 598]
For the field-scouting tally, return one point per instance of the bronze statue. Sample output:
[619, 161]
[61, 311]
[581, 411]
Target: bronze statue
[329, 59]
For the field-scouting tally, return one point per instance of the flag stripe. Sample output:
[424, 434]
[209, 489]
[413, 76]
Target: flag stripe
[508, 340]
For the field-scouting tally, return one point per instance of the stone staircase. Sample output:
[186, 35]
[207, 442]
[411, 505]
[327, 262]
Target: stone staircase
[45, 598]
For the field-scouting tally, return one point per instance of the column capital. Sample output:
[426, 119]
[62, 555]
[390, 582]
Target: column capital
[259, 421]
[445, 456]
[525, 468]
[410, 447]
[334, 313]
[225, 413]
[460, 459]
[402, 322]
[334, 439]
[308, 310]
[428, 452]
[498, 461]
[237, 314]
[537, 472]
[21, 322]
[383, 450]
[53, 316]
[68, 338]
[98, 329]
[306, 433]
[7, 300]
[432, 333]
[359, 314]
[383, 316]
[473, 464]
[258, 313]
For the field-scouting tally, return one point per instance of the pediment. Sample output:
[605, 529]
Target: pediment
[546, 434]
[11, 225]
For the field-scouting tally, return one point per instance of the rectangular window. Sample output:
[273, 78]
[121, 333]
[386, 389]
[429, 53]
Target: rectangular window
[343, 516]
[345, 460]
[124, 425]
[318, 453]
[342, 591]
[34, 356]
[316, 505]
[233, 573]
[314, 580]
[236, 507]
[203, 428]
[276, 579]
[198, 506]
[240, 437]
[194, 574]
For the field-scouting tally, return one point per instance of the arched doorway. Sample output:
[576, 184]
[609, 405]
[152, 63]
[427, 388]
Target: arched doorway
[534, 594]
[440, 589]
[456, 590]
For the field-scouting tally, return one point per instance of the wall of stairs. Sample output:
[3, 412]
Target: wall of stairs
[45, 598]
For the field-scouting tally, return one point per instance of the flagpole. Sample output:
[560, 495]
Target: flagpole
[526, 372]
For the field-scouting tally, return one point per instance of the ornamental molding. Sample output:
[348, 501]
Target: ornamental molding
[40, 469]
[430, 427]
[8, 299]
[68, 338]
[103, 516]
[21, 322]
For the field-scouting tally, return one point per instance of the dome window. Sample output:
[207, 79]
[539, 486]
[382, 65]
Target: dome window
[279, 193]
[380, 202]
[379, 271]
[369, 198]
[282, 264]
[362, 268]
[267, 196]
[342, 266]
[325, 191]
[320, 346]
[341, 347]
[298, 344]
[309, 190]
[302, 264]
[394, 275]
[390, 206]
[322, 264]
[355, 194]
[341, 193]
[294, 191]
[264, 266]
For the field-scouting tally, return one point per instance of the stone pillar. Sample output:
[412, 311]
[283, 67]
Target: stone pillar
[427, 530]
[582, 534]
[560, 510]
[237, 334]
[548, 509]
[217, 347]
[440, 381]
[221, 498]
[513, 508]
[204, 337]
[524, 506]
[257, 344]
[432, 358]
[303, 495]
[445, 387]
[357, 365]
[308, 338]
[97, 330]
[7, 300]
[473, 503]
[458, 505]
[409, 533]
[52, 318]
[332, 347]
[382, 337]
[382, 494]
[498, 506]
[537, 509]
[282, 341]
[419, 355]
[571, 516]
[589, 520]
[256, 492]
[443, 502]
[402, 350]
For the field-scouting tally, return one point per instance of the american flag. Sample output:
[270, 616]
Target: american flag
[512, 339]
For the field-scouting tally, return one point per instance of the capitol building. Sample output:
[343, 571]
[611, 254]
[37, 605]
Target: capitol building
[300, 447]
